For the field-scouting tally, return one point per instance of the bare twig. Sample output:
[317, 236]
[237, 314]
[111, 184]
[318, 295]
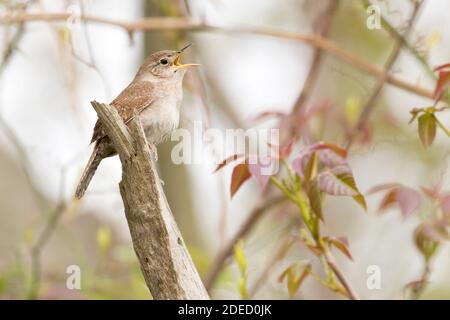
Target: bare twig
[313, 73]
[418, 287]
[11, 46]
[92, 63]
[281, 251]
[169, 23]
[44, 237]
[37, 249]
[326, 19]
[371, 102]
[227, 250]
[339, 274]
[393, 32]
[23, 160]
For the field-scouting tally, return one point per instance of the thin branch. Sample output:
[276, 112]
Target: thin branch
[371, 102]
[12, 45]
[245, 228]
[313, 73]
[169, 23]
[37, 249]
[311, 78]
[393, 32]
[338, 272]
[23, 160]
[418, 287]
[279, 254]
[42, 240]
[92, 63]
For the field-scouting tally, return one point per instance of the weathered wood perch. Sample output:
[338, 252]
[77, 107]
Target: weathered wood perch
[165, 262]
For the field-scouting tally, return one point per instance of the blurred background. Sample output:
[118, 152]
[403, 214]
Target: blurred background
[53, 65]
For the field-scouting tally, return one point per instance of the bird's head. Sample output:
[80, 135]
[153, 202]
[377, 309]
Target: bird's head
[164, 65]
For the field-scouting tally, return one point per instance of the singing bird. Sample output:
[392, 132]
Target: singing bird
[155, 94]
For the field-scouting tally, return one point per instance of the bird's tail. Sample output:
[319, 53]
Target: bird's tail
[89, 171]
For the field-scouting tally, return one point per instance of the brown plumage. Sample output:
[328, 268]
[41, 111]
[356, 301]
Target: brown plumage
[155, 93]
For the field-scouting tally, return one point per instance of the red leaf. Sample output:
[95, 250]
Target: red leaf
[388, 200]
[283, 152]
[406, 198]
[227, 161]
[442, 85]
[239, 176]
[382, 187]
[433, 192]
[261, 170]
[336, 149]
[338, 182]
[286, 150]
[323, 146]
[442, 67]
[299, 163]
[331, 159]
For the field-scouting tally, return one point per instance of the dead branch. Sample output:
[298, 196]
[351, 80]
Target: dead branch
[165, 262]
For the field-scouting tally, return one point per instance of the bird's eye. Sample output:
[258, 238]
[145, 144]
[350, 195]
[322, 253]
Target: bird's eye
[164, 61]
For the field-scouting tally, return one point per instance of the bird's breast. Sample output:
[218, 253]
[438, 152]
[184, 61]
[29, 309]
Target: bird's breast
[160, 119]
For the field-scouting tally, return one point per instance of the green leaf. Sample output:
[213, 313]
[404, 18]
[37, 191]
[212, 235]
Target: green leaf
[28, 235]
[104, 238]
[243, 288]
[315, 199]
[361, 201]
[295, 275]
[311, 168]
[352, 108]
[239, 255]
[427, 129]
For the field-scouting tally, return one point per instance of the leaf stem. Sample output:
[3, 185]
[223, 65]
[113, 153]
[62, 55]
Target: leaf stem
[439, 123]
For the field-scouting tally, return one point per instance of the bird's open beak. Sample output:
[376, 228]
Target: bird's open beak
[177, 62]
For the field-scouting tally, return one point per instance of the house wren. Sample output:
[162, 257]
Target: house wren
[155, 93]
